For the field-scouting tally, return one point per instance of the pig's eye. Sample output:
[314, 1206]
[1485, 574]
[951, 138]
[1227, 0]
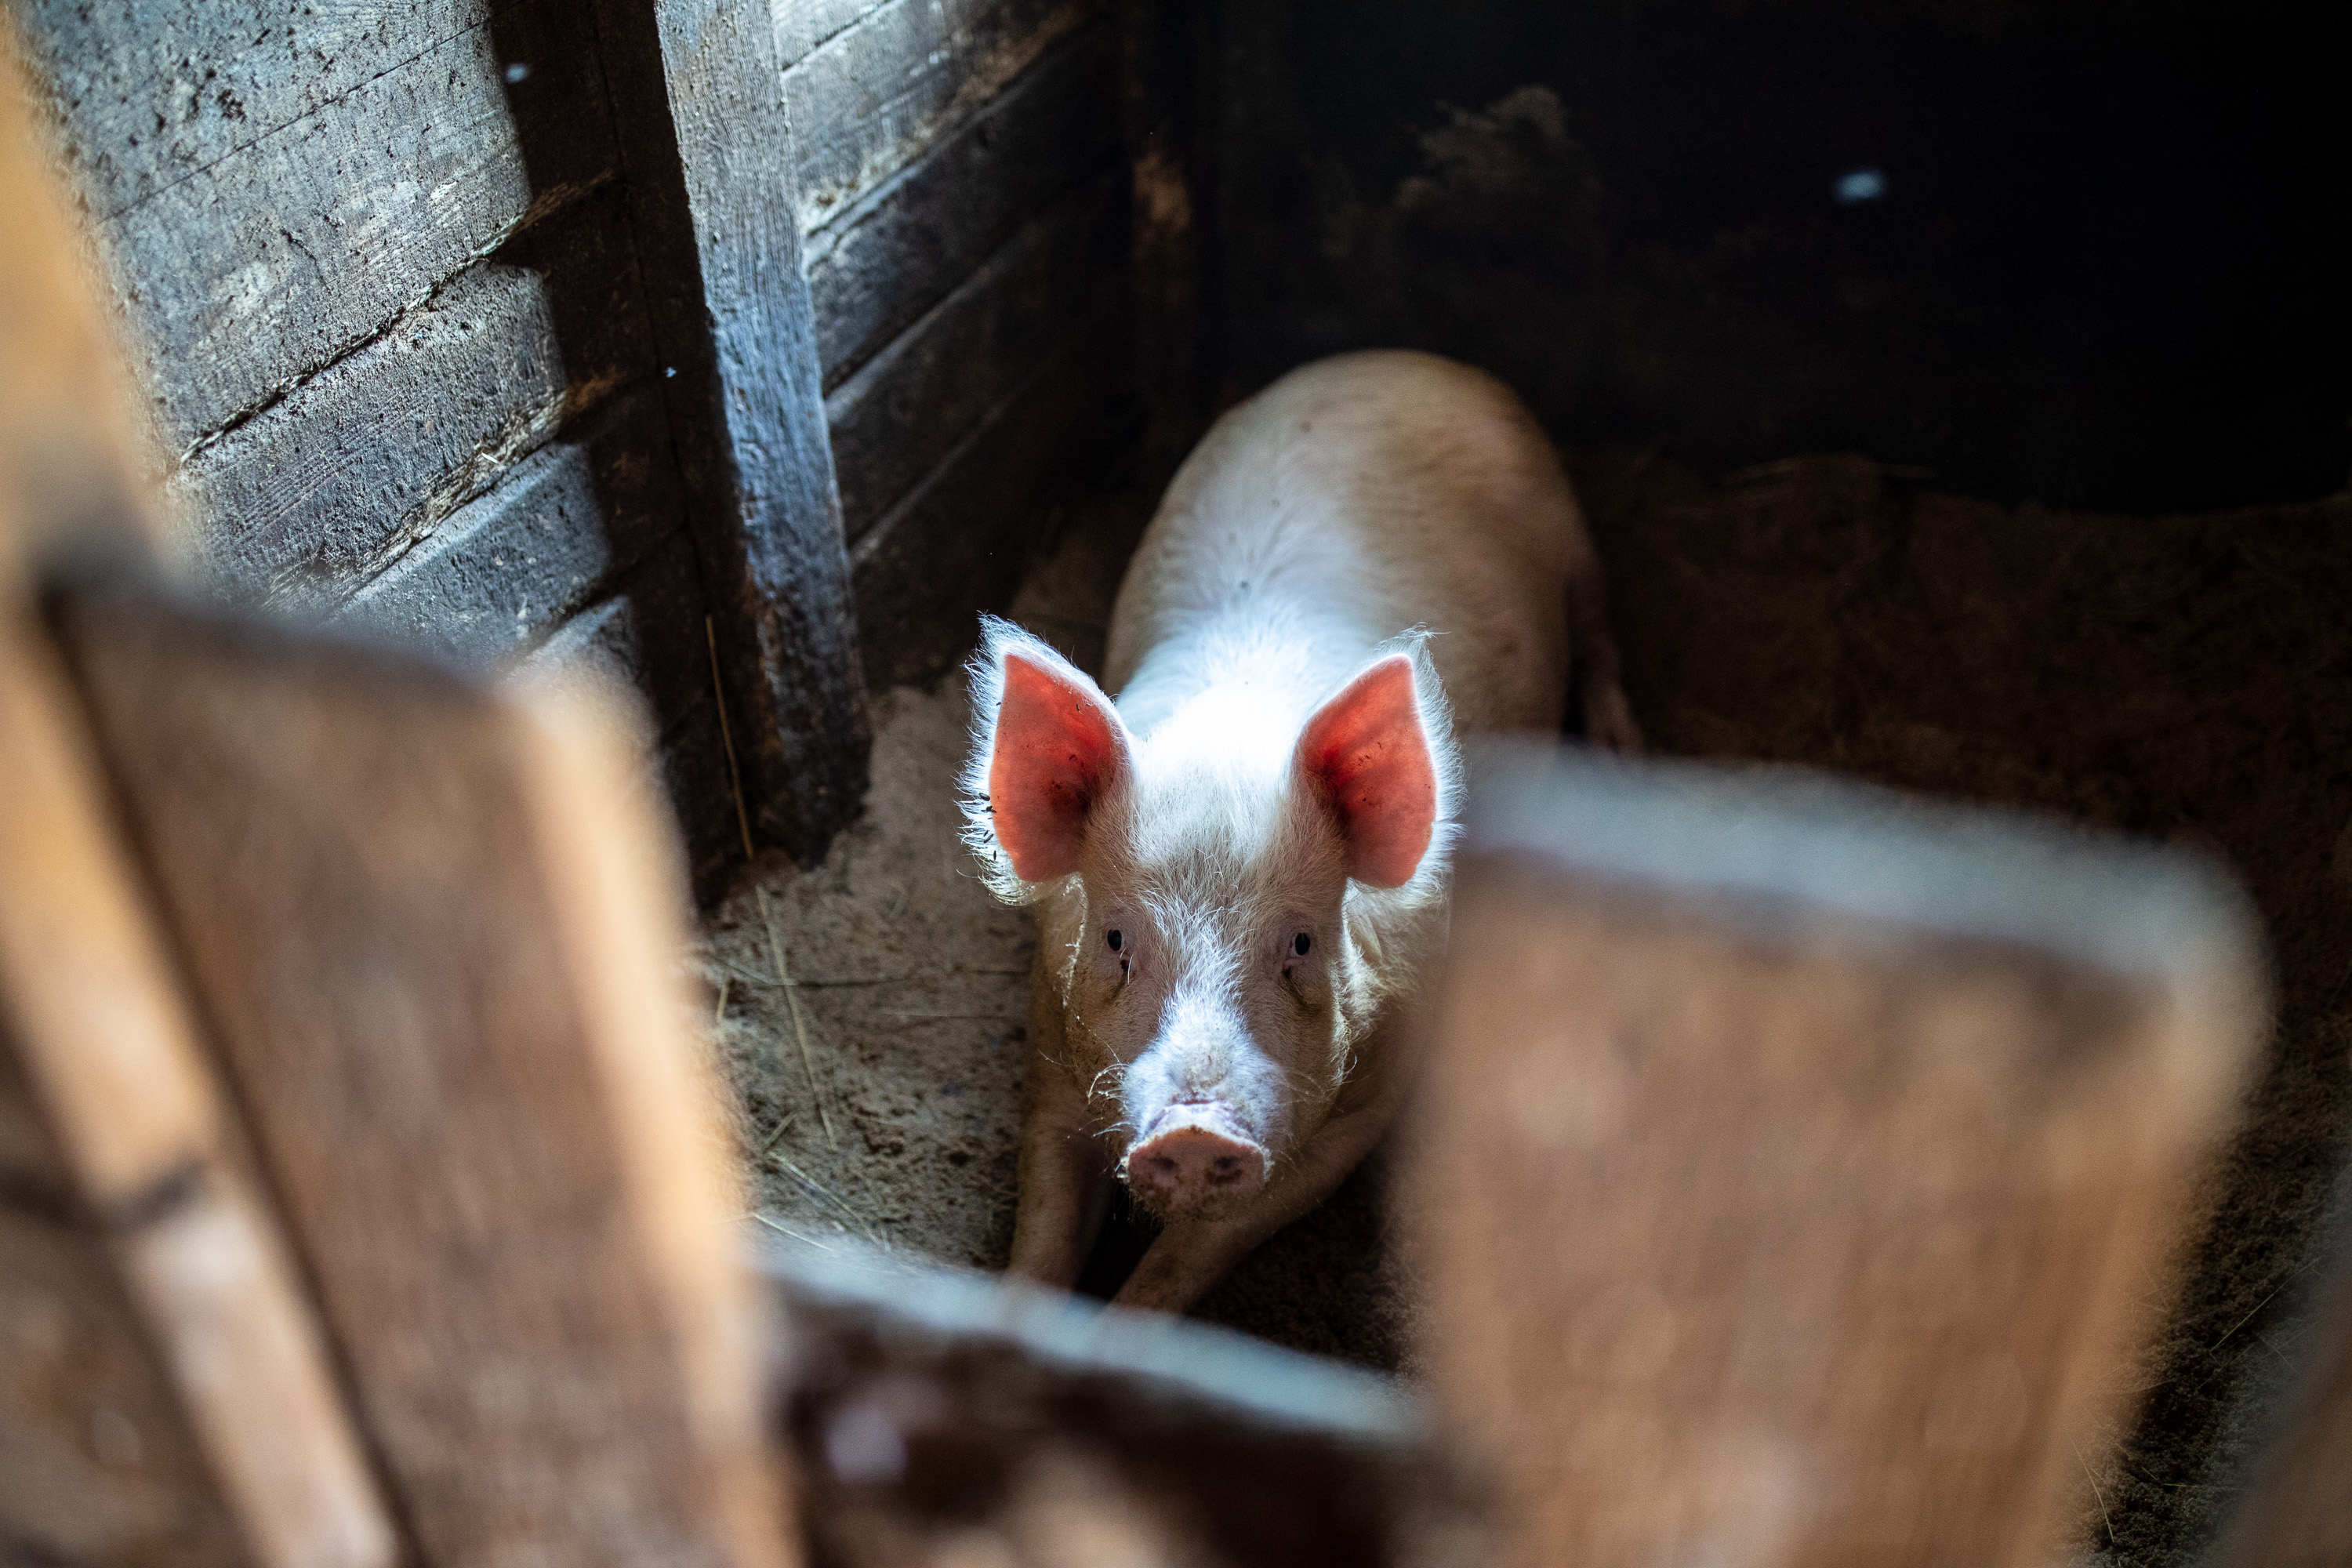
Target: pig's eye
[1300, 943]
[1113, 937]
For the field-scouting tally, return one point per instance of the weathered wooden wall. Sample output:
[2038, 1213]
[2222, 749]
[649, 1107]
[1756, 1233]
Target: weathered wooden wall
[437, 313]
[386, 313]
[963, 215]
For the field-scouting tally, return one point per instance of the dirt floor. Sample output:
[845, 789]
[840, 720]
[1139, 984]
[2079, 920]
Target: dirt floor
[2184, 678]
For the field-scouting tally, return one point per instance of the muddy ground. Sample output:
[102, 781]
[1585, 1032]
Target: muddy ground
[2184, 678]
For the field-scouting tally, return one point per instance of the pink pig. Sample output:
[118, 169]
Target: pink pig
[1240, 869]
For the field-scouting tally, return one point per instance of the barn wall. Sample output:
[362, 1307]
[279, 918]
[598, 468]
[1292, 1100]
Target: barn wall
[963, 212]
[385, 306]
[400, 283]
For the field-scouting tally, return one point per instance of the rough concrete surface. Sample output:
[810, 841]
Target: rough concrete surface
[2180, 677]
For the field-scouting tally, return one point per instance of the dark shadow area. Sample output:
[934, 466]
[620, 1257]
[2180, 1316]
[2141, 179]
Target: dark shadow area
[2089, 255]
[643, 620]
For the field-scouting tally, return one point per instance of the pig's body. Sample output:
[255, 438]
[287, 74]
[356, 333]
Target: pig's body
[1240, 875]
[1348, 502]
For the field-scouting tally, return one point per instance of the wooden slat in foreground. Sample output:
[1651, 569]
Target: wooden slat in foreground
[164, 1395]
[150, 1314]
[436, 941]
[1796, 1163]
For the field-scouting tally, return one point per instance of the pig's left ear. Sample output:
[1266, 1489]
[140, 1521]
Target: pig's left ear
[1056, 750]
[1366, 753]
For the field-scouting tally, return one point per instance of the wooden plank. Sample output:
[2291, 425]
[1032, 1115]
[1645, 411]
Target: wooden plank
[868, 101]
[2298, 1511]
[251, 273]
[959, 543]
[508, 568]
[109, 1060]
[325, 489]
[437, 946]
[149, 95]
[164, 1396]
[695, 85]
[1794, 1165]
[802, 24]
[896, 420]
[648, 637]
[98, 1462]
[904, 247]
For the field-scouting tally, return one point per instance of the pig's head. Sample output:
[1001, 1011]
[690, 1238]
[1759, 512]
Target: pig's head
[1226, 904]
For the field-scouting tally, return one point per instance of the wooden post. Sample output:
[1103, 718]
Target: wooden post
[697, 89]
[1796, 1162]
[165, 1396]
[438, 942]
[148, 1220]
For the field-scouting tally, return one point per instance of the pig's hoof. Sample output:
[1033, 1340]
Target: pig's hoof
[1191, 1171]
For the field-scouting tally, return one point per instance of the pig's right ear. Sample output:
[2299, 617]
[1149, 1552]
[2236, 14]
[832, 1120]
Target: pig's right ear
[1056, 750]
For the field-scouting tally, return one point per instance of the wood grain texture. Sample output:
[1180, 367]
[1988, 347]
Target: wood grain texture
[155, 95]
[506, 570]
[250, 273]
[802, 24]
[98, 1462]
[430, 1014]
[869, 100]
[898, 418]
[908, 243]
[959, 543]
[1792, 1173]
[316, 495]
[145, 1207]
[695, 85]
[164, 1395]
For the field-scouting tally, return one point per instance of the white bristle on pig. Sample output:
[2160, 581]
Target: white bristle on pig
[1239, 867]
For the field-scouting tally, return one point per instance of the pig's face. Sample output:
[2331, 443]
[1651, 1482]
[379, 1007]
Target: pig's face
[1204, 901]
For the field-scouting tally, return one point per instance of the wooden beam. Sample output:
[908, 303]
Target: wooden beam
[697, 87]
[1796, 1162]
[436, 941]
[112, 1073]
[166, 1396]
[906, 245]
[910, 406]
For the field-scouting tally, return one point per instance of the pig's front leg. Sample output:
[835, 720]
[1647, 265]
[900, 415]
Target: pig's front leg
[1190, 1255]
[1066, 1173]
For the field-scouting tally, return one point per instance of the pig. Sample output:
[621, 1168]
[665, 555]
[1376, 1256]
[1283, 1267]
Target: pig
[1239, 867]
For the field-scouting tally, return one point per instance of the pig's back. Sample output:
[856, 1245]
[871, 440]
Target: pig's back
[1353, 500]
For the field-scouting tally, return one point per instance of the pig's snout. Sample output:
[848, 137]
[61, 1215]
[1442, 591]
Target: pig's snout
[1191, 1168]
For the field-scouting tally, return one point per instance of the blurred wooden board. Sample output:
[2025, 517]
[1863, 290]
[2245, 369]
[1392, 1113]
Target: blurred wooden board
[166, 1397]
[434, 937]
[1795, 1162]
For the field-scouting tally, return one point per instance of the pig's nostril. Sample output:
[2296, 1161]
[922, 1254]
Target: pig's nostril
[1162, 1165]
[1225, 1166]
